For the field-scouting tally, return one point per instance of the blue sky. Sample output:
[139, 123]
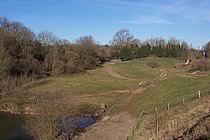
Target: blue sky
[184, 19]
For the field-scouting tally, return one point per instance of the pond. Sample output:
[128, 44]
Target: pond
[77, 123]
[80, 122]
[11, 127]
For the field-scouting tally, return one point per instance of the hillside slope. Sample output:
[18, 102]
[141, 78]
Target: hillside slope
[188, 122]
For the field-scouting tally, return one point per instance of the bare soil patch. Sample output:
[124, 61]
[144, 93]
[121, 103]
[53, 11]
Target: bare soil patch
[114, 128]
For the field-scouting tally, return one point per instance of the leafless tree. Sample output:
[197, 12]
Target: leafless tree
[174, 41]
[4, 24]
[136, 42]
[122, 37]
[47, 38]
[85, 40]
[15, 88]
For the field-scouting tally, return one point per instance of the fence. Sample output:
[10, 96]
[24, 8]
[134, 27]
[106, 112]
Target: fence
[155, 125]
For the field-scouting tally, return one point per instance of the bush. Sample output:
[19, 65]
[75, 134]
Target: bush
[45, 126]
[153, 64]
[199, 65]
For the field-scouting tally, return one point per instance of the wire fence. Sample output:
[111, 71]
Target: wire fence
[157, 121]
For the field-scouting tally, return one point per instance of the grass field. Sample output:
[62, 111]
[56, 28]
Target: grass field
[127, 88]
[97, 82]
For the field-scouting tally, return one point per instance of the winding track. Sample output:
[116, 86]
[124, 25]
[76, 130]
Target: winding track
[140, 90]
[112, 73]
[116, 127]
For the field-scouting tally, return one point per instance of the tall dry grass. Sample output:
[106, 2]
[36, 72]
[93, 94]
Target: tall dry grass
[46, 125]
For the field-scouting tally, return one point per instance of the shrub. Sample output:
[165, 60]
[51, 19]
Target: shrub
[199, 65]
[45, 126]
[153, 64]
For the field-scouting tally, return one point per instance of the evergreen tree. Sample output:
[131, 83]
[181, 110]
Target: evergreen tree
[125, 53]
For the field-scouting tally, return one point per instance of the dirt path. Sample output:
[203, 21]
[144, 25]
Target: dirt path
[162, 76]
[111, 72]
[139, 90]
[103, 94]
[116, 127]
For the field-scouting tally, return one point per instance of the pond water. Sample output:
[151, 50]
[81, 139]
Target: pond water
[81, 122]
[11, 127]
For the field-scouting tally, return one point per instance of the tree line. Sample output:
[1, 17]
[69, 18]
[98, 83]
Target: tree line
[207, 49]
[127, 47]
[22, 52]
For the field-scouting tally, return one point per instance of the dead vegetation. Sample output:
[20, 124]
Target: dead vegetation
[184, 122]
[199, 65]
[45, 126]
[13, 94]
[52, 110]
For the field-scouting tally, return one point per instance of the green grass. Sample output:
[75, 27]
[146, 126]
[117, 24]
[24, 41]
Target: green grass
[139, 69]
[99, 80]
[171, 90]
[96, 82]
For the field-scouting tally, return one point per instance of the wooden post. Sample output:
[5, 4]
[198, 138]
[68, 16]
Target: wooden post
[168, 107]
[183, 101]
[157, 124]
[199, 94]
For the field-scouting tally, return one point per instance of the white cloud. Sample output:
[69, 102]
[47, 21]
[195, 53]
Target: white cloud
[162, 12]
[147, 20]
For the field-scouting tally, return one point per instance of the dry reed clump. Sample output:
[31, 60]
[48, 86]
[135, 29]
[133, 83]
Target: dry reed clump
[199, 65]
[52, 110]
[13, 93]
[186, 122]
[46, 125]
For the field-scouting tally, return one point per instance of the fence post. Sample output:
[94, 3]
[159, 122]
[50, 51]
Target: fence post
[168, 107]
[199, 94]
[183, 101]
[157, 124]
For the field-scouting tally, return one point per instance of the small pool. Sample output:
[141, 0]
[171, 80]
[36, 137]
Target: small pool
[81, 122]
[78, 123]
[11, 127]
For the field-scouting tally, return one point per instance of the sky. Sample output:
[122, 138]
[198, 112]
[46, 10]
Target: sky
[187, 20]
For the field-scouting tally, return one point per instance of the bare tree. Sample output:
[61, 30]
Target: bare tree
[156, 42]
[15, 89]
[4, 24]
[47, 38]
[85, 40]
[174, 41]
[122, 37]
[17, 29]
[136, 42]
[86, 52]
